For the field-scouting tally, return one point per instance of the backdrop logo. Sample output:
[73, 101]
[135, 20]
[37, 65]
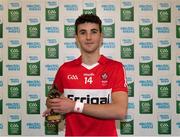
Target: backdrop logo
[71, 7]
[51, 128]
[14, 11]
[52, 10]
[163, 67]
[1, 126]
[163, 105]
[52, 29]
[164, 12]
[178, 83]
[127, 30]
[33, 44]
[13, 67]
[146, 83]
[178, 27]
[130, 81]
[127, 48]
[1, 65]
[178, 103]
[1, 28]
[146, 125]
[33, 7]
[1, 83]
[1, 45]
[69, 28]
[131, 105]
[178, 7]
[164, 87]
[178, 125]
[146, 104]
[127, 11]
[52, 49]
[146, 7]
[1, 104]
[108, 7]
[33, 103]
[129, 67]
[33, 125]
[33, 27]
[145, 66]
[164, 49]
[164, 123]
[1, 7]
[146, 44]
[145, 28]
[33, 65]
[163, 30]
[69, 57]
[108, 27]
[89, 7]
[51, 67]
[109, 45]
[13, 105]
[70, 45]
[13, 29]
[14, 49]
[34, 83]
[14, 88]
[14, 124]
[48, 84]
[127, 125]
[178, 65]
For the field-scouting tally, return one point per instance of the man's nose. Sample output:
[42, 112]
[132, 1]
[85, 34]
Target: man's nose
[88, 36]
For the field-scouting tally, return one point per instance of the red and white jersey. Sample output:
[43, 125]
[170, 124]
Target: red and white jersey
[93, 86]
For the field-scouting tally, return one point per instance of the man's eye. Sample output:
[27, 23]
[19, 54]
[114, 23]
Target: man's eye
[82, 33]
[94, 32]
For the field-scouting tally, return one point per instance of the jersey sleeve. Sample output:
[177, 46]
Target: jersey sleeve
[119, 79]
[58, 82]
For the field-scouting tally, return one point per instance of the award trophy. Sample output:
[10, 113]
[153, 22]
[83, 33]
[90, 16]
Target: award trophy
[54, 117]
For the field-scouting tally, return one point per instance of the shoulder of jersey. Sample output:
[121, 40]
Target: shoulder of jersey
[114, 62]
[69, 63]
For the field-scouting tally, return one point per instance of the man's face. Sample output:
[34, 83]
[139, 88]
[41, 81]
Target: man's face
[89, 37]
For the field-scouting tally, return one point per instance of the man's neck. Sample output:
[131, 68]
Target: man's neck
[90, 59]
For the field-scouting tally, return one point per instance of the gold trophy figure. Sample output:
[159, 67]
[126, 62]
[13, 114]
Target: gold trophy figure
[54, 117]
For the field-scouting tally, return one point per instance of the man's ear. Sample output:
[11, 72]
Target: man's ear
[76, 42]
[101, 41]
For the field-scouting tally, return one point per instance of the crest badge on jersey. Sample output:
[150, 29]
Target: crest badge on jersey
[104, 79]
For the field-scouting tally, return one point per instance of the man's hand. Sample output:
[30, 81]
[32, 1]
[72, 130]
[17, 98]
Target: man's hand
[60, 105]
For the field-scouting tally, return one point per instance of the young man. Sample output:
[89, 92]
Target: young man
[94, 87]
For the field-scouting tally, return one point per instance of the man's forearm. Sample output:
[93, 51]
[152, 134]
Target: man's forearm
[104, 111]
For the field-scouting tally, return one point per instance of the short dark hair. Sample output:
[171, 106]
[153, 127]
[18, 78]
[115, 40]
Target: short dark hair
[89, 18]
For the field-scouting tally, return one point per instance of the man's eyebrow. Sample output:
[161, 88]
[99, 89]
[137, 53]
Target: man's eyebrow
[94, 30]
[82, 30]
[86, 30]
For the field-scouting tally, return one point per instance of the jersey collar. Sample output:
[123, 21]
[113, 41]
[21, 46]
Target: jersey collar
[102, 60]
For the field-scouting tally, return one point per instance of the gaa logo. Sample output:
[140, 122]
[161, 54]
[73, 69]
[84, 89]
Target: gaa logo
[72, 77]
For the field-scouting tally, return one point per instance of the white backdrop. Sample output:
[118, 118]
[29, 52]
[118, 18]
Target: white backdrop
[36, 37]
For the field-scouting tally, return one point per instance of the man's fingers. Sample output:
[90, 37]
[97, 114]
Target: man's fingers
[46, 112]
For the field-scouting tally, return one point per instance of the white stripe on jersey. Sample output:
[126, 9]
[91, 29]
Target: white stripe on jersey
[90, 66]
[90, 96]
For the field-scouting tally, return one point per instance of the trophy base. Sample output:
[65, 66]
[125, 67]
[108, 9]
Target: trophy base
[57, 117]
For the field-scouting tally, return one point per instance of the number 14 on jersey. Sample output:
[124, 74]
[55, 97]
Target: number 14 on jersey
[88, 80]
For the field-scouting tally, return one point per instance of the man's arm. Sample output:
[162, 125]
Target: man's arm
[115, 110]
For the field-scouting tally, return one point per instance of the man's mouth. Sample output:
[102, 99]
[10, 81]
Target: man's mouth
[89, 43]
